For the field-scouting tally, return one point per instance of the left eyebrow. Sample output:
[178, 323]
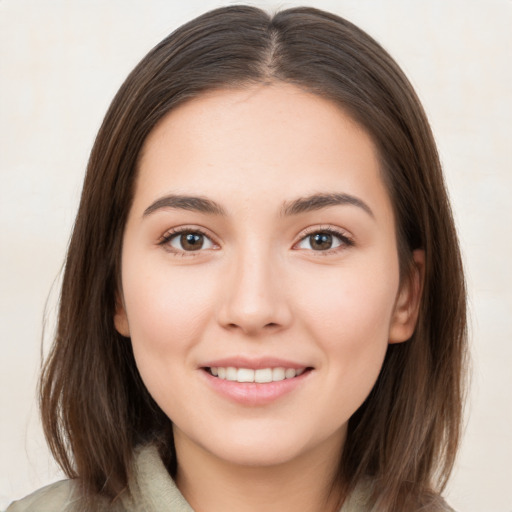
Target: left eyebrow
[319, 201]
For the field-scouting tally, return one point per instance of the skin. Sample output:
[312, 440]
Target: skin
[259, 287]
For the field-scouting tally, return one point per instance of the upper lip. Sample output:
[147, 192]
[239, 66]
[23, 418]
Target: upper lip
[254, 363]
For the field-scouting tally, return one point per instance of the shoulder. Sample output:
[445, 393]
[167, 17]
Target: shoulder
[57, 497]
[150, 488]
[432, 502]
[360, 501]
[444, 507]
[61, 496]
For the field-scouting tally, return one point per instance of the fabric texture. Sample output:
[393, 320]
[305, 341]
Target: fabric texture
[150, 489]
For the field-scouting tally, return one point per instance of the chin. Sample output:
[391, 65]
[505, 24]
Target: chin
[268, 444]
[264, 454]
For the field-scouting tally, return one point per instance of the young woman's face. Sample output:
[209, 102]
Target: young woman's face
[260, 276]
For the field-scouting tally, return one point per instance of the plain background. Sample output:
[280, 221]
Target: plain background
[61, 62]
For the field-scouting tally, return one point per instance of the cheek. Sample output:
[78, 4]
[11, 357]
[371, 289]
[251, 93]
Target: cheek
[167, 314]
[350, 302]
[166, 310]
[349, 313]
[350, 324]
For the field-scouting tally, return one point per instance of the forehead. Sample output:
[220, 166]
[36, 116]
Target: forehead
[262, 141]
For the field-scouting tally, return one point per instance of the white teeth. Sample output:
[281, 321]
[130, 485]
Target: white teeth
[278, 374]
[290, 373]
[231, 373]
[245, 375]
[262, 375]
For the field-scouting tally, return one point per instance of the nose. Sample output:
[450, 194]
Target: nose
[254, 295]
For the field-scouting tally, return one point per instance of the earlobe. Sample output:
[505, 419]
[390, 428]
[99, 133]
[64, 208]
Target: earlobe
[121, 319]
[408, 302]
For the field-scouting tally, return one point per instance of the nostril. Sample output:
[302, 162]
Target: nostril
[248, 328]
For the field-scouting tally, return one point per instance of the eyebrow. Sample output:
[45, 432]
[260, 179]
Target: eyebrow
[192, 203]
[289, 208]
[319, 201]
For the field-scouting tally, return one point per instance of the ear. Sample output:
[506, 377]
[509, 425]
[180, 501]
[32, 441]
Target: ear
[120, 317]
[407, 305]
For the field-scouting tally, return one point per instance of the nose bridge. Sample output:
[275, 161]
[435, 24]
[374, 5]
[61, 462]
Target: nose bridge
[254, 295]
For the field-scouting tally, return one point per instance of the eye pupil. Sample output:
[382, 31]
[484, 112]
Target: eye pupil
[191, 241]
[321, 241]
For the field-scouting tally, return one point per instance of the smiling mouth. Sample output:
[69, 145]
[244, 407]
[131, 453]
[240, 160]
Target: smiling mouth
[248, 375]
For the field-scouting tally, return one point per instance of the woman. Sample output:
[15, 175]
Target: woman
[263, 305]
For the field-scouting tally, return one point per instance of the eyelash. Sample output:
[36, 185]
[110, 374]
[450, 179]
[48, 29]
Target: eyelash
[345, 240]
[173, 233]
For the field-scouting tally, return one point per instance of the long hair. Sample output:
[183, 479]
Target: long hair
[95, 408]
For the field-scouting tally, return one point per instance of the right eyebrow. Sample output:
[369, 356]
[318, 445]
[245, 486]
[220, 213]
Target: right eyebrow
[183, 202]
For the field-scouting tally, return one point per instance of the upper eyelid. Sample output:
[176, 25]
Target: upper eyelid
[187, 229]
[329, 228]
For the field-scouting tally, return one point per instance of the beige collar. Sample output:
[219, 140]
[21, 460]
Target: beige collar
[153, 490]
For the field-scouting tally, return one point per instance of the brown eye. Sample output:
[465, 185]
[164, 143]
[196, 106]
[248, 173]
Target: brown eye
[189, 241]
[320, 241]
[323, 241]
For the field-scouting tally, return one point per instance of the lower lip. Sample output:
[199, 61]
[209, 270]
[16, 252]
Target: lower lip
[255, 393]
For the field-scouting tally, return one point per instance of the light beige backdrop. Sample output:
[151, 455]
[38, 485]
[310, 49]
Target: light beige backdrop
[61, 62]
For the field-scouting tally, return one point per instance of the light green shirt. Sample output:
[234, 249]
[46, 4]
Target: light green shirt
[150, 489]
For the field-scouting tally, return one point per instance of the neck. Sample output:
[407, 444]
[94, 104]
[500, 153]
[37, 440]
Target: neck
[211, 484]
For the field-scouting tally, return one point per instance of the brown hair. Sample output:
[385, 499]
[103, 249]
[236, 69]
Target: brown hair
[96, 409]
